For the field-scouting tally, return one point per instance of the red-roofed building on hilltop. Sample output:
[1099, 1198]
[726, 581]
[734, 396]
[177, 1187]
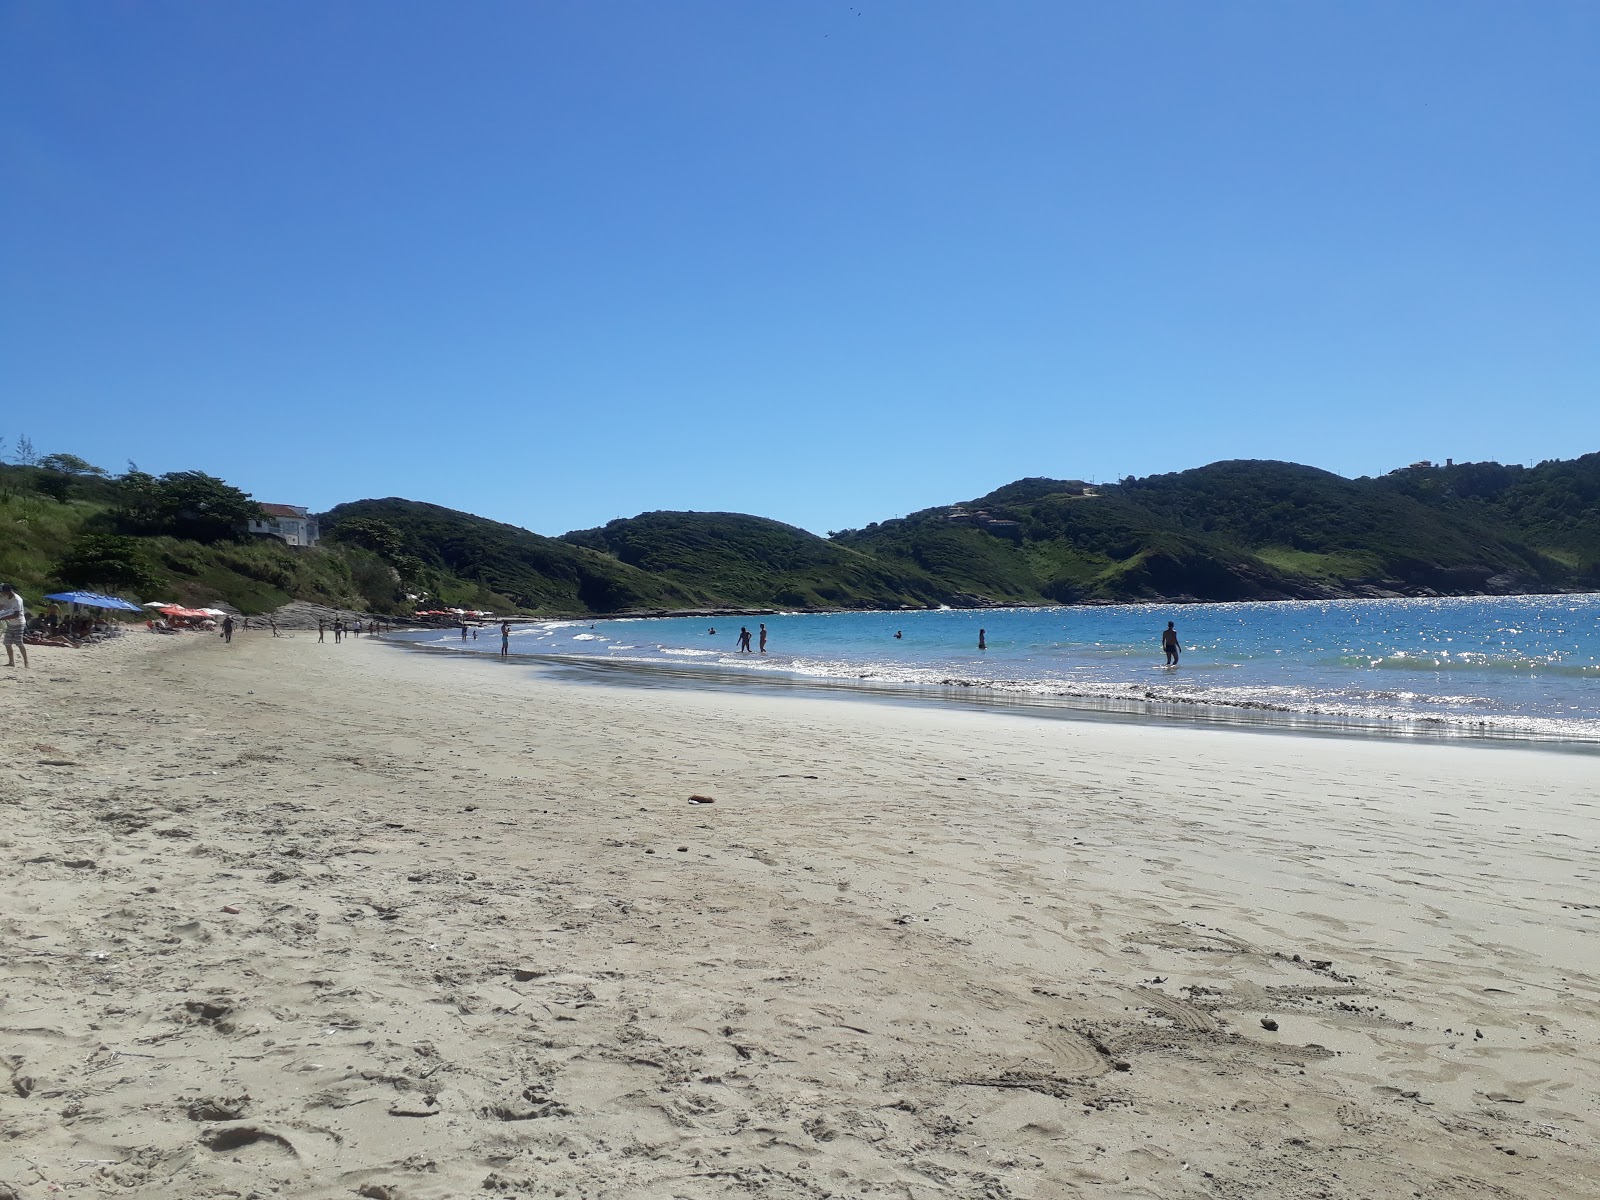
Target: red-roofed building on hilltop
[295, 525]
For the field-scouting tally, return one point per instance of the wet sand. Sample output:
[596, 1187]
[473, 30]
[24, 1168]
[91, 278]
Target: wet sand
[484, 945]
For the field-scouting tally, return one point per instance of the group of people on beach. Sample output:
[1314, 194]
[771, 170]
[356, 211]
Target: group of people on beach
[470, 633]
[52, 627]
[52, 622]
[1169, 640]
[339, 627]
[743, 640]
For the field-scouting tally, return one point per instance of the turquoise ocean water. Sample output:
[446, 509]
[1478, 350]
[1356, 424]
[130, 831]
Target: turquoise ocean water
[1522, 666]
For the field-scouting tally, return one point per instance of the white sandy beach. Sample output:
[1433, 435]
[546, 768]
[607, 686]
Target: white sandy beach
[484, 945]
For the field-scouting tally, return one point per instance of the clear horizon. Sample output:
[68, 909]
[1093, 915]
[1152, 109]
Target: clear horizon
[827, 264]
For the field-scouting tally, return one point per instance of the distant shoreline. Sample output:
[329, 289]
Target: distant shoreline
[1001, 606]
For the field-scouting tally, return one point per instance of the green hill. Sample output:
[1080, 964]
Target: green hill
[59, 531]
[1247, 530]
[1342, 532]
[1227, 531]
[1069, 547]
[736, 560]
[472, 562]
[1554, 508]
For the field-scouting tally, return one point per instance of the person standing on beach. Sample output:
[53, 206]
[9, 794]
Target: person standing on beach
[227, 630]
[322, 629]
[982, 642]
[338, 632]
[1169, 644]
[505, 639]
[763, 637]
[14, 614]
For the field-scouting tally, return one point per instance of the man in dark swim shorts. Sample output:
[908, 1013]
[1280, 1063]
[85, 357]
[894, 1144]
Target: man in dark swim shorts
[1169, 644]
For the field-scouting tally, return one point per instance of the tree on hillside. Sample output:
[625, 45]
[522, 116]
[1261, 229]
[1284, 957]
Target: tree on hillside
[55, 485]
[70, 464]
[25, 454]
[385, 540]
[107, 561]
[187, 504]
[380, 537]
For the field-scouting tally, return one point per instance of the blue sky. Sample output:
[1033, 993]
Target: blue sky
[827, 262]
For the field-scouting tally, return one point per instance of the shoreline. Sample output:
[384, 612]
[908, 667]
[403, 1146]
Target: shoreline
[660, 614]
[994, 695]
[310, 920]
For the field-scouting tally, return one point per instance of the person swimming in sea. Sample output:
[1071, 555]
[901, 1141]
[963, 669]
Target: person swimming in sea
[1169, 644]
[899, 633]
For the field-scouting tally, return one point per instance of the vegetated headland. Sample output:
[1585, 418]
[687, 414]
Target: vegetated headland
[1239, 530]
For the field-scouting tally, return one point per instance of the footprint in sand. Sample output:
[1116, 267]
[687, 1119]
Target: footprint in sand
[226, 1139]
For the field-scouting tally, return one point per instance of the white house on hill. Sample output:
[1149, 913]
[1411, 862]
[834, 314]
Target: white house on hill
[295, 525]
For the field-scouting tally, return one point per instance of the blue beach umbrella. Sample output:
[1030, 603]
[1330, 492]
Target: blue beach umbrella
[95, 600]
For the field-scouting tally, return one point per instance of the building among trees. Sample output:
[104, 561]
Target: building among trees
[294, 524]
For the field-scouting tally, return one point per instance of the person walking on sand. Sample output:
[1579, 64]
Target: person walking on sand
[338, 631]
[1169, 644]
[227, 630]
[273, 621]
[983, 643]
[505, 639]
[14, 615]
[763, 638]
